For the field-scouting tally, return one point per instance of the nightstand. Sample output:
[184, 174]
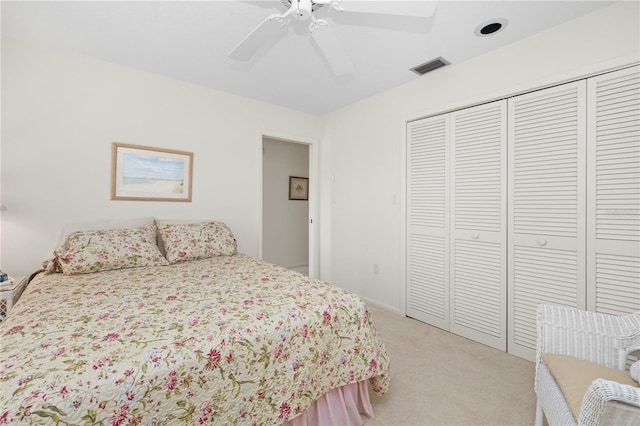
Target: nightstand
[10, 293]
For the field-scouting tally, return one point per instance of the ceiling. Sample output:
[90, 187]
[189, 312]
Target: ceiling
[190, 41]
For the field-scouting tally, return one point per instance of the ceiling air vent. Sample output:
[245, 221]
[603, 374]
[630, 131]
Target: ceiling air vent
[430, 66]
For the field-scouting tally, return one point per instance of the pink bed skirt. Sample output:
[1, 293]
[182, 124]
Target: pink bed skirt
[342, 406]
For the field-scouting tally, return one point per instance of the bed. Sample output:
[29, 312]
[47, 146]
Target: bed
[198, 334]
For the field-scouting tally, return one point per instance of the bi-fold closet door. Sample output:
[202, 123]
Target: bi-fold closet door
[613, 204]
[572, 219]
[547, 202]
[574, 201]
[613, 207]
[456, 274]
[428, 152]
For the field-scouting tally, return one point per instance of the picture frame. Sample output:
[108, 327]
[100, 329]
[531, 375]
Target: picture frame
[298, 188]
[142, 173]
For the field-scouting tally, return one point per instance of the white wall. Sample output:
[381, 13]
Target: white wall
[363, 148]
[285, 229]
[60, 114]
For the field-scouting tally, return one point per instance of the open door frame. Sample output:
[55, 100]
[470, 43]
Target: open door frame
[313, 194]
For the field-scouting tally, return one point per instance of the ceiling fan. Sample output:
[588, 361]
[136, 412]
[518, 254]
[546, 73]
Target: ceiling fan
[323, 38]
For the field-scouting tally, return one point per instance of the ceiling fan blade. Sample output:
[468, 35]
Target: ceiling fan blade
[265, 33]
[330, 48]
[423, 9]
[405, 16]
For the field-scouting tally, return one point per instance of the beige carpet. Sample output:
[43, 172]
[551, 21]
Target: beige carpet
[438, 378]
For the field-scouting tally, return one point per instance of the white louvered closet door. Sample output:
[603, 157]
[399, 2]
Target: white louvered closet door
[428, 221]
[613, 216]
[478, 224]
[547, 207]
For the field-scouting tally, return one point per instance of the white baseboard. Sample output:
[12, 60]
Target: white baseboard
[303, 269]
[389, 308]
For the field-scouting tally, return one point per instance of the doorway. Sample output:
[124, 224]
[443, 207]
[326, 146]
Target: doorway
[287, 195]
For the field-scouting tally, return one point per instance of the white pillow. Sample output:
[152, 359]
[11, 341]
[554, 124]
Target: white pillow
[635, 371]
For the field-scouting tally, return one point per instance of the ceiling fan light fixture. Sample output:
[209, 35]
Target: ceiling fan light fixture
[432, 65]
[302, 9]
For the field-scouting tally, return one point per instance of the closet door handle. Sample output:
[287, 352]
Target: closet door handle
[542, 242]
[475, 236]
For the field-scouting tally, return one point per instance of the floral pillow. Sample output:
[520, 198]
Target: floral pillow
[192, 241]
[93, 251]
[51, 265]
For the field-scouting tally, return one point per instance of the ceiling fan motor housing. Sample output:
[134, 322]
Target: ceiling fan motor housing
[302, 9]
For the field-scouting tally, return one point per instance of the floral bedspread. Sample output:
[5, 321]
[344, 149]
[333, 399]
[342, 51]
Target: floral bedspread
[225, 340]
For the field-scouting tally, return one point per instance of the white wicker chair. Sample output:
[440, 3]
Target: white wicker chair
[598, 338]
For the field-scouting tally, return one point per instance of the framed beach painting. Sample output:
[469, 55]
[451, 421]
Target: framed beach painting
[150, 174]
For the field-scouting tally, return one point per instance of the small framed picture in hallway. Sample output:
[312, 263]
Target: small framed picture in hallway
[298, 188]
